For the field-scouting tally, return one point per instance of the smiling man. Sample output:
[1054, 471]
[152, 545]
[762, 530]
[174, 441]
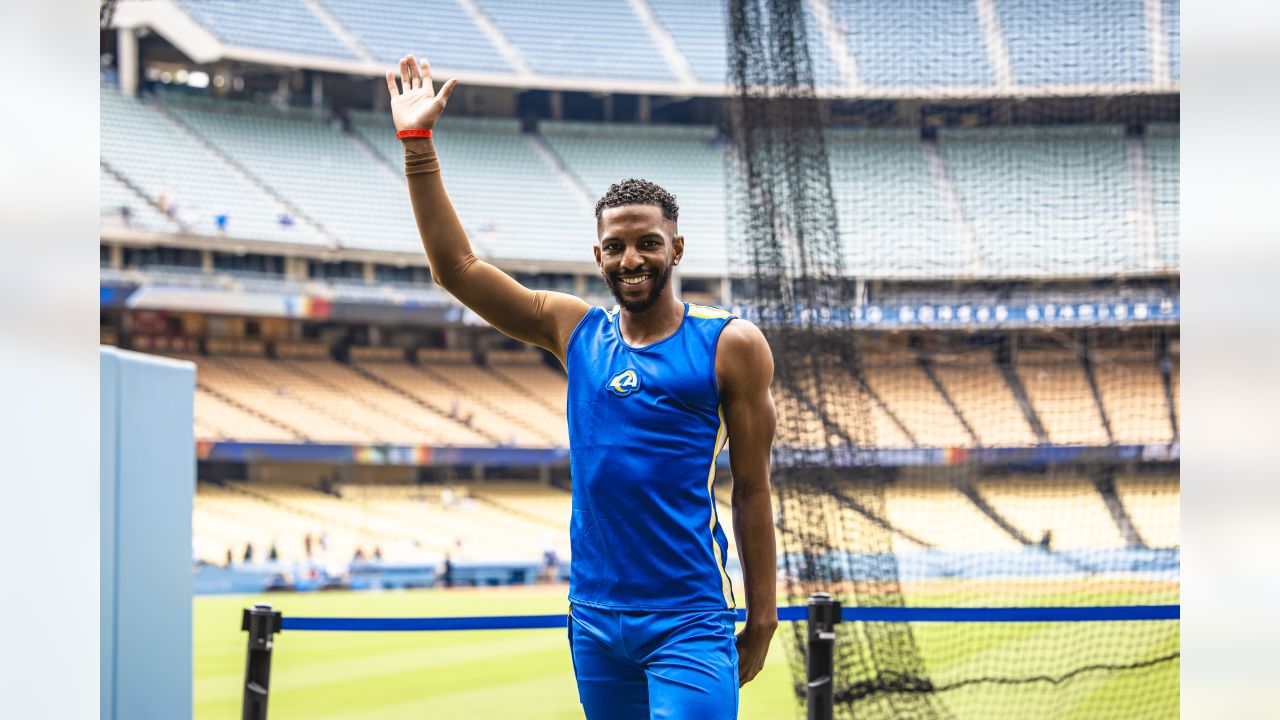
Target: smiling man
[657, 387]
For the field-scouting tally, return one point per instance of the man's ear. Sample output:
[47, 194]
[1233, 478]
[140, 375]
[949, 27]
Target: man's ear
[599, 265]
[677, 248]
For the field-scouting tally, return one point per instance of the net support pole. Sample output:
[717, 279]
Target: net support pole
[262, 623]
[824, 613]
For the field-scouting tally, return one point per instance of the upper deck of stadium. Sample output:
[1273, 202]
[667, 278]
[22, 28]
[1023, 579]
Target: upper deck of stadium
[909, 48]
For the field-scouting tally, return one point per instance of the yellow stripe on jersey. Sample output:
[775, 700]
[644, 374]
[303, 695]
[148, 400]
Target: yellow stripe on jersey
[707, 312]
[722, 437]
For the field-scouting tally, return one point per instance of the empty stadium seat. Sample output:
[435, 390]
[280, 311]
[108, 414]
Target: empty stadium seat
[1071, 43]
[893, 221]
[309, 161]
[1047, 201]
[1071, 509]
[285, 26]
[445, 35]
[114, 195]
[916, 42]
[981, 395]
[509, 199]
[564, 39]
[1059, 392]
[907, 392]
[685, 160]
[1154, 504]
[157, 155]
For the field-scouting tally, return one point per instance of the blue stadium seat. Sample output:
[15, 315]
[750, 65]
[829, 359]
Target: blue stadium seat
[1067, 43]
[567, 39]
[1047, 201]
[310, 162]
[684, 159]
[892, 219]
[438, 30]
[279, 25]
[160, 157]
[699, 30]
[916, 42]
[510, 200]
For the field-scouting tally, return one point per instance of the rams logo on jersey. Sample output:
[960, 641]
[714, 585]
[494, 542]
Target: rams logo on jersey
[625, 383]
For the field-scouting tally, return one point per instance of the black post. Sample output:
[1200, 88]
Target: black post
[262, 623]
[824, 613]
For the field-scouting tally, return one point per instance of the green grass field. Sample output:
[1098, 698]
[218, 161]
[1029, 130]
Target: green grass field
[527, 673]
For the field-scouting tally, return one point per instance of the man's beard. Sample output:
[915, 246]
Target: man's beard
[638, 307]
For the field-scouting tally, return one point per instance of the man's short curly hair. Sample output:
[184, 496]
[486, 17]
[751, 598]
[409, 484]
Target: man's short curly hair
[638, 192]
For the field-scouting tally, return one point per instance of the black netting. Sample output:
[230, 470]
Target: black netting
[1022, 463]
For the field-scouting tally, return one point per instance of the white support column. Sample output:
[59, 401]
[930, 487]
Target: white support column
[127, 60]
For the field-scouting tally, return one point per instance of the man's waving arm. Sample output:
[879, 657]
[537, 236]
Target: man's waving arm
[744, 368]
[543, 318]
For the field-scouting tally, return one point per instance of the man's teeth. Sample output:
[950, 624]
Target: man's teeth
[635, 280]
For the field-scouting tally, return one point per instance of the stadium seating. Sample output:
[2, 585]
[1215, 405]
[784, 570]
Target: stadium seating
[218, 418]
[286, 26]
[1067, 43]
[892, 219]
[510, 200]
[407, 523]
[980, 394]
[307, 159]
[1071, 509]
[1163, 155]
[699, 31]
[114, 195]
[1047, 201]
[1059, 391]
[1134, 397]
[439, 31]
[471, 396]
[1173, 33]
[445, 398]
[915, 42]
[565, 39]
[1041, 202]
[1153, 503]
[907, 392]
[172, 166]
[943, 517]
[686, 160]
[921, 43]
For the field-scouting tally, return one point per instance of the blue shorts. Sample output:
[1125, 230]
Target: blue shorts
[643, 665]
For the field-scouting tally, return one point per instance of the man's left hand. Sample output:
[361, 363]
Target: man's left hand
[753, 646]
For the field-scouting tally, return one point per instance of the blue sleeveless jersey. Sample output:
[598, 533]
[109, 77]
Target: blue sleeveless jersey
[645, 427]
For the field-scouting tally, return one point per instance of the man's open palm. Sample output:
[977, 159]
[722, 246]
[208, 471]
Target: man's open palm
[415, 103]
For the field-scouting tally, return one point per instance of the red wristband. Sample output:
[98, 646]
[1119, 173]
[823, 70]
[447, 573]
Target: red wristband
[413, 133]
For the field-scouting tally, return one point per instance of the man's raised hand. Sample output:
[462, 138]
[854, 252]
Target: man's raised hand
[415, 104]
